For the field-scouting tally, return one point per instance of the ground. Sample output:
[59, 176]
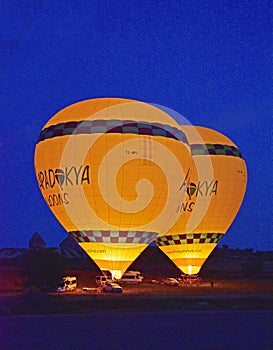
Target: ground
[225, 294]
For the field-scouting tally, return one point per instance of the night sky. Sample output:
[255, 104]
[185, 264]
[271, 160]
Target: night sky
[208, 60]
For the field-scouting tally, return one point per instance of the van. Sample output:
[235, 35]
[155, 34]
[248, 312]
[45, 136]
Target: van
[67, 284]
[101, 280]
[132, 277]
[190, 279]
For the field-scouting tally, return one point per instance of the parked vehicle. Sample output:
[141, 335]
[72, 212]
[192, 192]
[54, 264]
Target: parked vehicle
[189, 279]
[170, 281]
[101, 280]
[112, 287]
[131, 277]
[155, 281]
[89, 289]
[67, 284]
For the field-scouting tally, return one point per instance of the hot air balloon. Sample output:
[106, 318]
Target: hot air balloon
[214, 197]
[107, 168]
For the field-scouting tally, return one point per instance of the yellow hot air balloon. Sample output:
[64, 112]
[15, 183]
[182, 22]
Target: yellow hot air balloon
[214, 197]
[107, 169]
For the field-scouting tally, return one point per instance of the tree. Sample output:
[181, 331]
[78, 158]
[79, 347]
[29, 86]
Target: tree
[42, 269]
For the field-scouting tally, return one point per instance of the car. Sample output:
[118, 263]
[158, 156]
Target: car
[112, 287]
[89, 289]
[170, 281]
[154, 281]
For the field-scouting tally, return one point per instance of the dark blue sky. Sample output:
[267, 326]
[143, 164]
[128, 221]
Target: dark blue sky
[208, 60]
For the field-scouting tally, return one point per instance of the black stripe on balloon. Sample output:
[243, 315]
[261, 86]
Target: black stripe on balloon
[191, 238]
[112, 126]
[200, 149]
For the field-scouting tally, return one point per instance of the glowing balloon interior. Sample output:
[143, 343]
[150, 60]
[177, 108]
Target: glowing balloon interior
[110, 171]
[119, 174]
[213, 197]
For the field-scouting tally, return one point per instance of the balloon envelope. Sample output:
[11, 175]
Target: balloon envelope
[214, 195]
[107, 169]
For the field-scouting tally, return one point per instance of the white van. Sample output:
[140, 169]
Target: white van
[68, 284]
[101, 280]
[190, 279]
[131, 277]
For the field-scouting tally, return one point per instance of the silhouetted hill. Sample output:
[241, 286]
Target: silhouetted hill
[36, 241]
[70, 242]
[222, 263]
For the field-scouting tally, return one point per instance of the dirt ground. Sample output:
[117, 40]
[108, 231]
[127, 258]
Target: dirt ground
[10, 282]
[225, 294]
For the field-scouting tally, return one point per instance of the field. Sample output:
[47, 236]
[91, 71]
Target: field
[224, 295]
